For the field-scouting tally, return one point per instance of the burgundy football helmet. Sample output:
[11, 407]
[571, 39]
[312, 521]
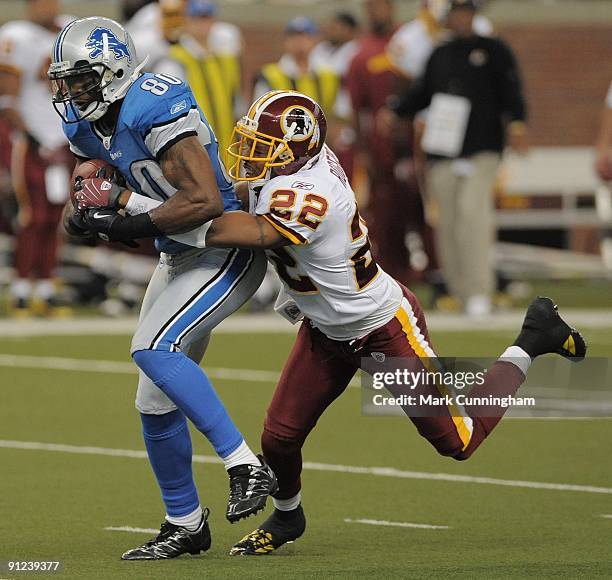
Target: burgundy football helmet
[282, 131]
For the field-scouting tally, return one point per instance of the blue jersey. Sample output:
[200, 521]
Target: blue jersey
[157, 111]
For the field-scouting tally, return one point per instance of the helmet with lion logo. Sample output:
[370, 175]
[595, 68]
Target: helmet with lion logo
[91, 56]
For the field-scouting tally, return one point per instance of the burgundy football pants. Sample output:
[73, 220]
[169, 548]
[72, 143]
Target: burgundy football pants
[318, 371]
[36, 241]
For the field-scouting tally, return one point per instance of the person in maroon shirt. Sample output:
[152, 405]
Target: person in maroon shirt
[394, 206]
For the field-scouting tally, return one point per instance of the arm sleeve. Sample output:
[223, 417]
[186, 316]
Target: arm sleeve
[170, 129]
[510, 85]
[418, 96]
[295, 213]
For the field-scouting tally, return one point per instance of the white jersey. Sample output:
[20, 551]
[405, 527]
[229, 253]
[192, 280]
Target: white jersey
[411, 46]
[328, 269]
[25, 48]
[146, 31]
[338, 58]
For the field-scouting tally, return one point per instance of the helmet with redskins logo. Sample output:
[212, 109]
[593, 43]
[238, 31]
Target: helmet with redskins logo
[282, 131]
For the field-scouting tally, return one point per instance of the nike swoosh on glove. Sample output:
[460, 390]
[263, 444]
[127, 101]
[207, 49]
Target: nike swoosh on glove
[96, 192]
[107, 225]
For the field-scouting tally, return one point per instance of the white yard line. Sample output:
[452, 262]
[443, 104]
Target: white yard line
[108, 367]
[326, 467]
[607, 516]
[395, 524]
[272, 323]
[131, 529]
[55, 363]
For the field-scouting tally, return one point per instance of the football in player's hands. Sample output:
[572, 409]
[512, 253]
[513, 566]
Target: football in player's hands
[96, 192]
[93, 168]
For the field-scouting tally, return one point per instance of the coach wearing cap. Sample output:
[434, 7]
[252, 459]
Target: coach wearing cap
[472, 90]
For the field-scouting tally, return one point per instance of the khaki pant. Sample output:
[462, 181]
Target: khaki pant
[461, 209]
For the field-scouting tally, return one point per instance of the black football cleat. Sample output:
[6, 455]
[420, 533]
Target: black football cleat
[280, 528]
[544, 331]
[250, 486]
[173, 541]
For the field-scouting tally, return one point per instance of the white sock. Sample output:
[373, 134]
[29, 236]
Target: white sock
[44, 289]
[241, 456]
[190, 521]
[286, 505]
[21, 289]
[518, 357]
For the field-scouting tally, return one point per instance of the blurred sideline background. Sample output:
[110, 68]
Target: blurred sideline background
[533, 503]
[552, 210]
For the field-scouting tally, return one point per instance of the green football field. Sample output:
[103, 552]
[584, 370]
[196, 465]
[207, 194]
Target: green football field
[72, 465]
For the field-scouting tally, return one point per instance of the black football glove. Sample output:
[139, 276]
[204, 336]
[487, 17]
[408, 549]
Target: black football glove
[106, 225]
[110, 226]
[76, 226]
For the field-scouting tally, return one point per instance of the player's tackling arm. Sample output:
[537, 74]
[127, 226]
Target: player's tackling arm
[187, 167]
[238, 229]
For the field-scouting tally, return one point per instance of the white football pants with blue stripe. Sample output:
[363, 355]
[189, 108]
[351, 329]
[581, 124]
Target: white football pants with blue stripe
[189, 294]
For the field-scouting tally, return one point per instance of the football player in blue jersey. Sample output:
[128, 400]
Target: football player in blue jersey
[151, 129]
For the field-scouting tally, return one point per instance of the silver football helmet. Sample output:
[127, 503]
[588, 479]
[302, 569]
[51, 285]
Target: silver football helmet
[93, 64]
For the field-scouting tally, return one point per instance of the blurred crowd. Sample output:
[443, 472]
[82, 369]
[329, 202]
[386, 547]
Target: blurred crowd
[419, 114]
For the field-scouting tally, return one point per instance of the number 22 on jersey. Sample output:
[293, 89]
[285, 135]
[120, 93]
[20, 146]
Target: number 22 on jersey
[311, 214]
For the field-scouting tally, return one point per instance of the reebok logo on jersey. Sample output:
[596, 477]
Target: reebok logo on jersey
[116, 155]
[302, 185]
[178, 107]
[97, 39]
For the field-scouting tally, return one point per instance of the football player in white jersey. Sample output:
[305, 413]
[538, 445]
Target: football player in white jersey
[39, 156]
[305, 215]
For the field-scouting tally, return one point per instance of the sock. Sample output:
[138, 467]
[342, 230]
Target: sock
[169, 448]
[44, 289]
[241, 456]
[518, 357]
[188, 387]
[286, 505]
[21, 289]
[190, 522]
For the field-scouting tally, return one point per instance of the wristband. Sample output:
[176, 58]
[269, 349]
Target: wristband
[138, 204]
[134, 227]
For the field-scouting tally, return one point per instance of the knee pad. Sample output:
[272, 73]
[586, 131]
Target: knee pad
[159, 365]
